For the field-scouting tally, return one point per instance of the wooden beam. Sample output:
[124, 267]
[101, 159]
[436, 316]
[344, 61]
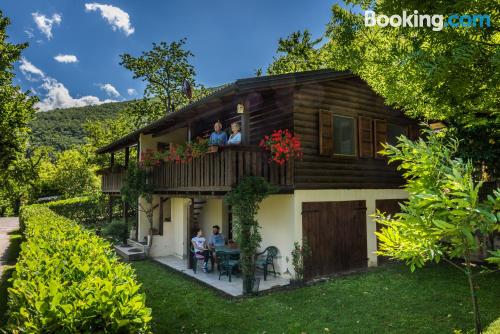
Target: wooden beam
[127, 156]
[112, 159]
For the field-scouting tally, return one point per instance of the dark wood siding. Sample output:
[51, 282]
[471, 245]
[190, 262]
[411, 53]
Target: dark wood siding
[348, 97]
[336, 234]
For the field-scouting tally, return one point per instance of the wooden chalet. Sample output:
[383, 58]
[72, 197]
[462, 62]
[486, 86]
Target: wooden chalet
[327, 197]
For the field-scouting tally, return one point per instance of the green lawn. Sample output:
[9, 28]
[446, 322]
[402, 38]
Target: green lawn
[386, 300]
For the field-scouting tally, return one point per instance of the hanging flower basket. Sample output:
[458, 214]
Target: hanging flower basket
[283, 145]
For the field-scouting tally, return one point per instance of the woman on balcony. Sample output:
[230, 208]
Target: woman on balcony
[235, 137]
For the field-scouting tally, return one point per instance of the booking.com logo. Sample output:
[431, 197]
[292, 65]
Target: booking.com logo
[416, 20]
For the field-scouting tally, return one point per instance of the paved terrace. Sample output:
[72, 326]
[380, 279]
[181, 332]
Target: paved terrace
[233, 288]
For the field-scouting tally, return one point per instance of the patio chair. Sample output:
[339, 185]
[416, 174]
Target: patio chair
[267, 259]
[226, 264]
[199, 258]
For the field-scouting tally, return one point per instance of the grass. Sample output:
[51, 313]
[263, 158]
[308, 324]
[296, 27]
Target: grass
[390, 299]
[10, 258]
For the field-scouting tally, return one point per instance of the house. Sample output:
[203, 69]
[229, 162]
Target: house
[327, 197]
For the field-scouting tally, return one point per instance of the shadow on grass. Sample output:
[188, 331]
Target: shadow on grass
[8, 259]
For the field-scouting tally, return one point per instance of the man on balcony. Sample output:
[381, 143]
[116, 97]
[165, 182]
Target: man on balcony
[218, 137]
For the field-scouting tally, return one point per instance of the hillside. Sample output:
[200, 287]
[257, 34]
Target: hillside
[63, 128]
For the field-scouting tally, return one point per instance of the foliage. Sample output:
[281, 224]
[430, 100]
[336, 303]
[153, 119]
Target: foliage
[199, 146]
[87, 210]
[283, 145]
[118, 230]
[68, 280]
[387, 299]
[16, 107]
[164, 68]
[245, 200]
[74, 175]
[299, 252]
[443, 214]
[62, 129]
[494, 327]
[138, 190]
[149, 158]
[450, 74]
[296, 53]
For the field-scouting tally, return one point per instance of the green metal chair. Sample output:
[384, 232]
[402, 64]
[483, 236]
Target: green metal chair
[226, 264]
[267, 259]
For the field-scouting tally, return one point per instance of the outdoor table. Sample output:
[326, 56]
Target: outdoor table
[229, 250]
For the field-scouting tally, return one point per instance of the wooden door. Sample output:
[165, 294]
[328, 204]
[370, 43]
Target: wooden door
[336, 233]
[389, 206]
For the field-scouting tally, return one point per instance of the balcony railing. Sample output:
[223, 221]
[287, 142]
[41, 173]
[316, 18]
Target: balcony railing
[212, 172]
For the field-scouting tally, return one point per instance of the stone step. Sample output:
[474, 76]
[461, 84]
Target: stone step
[130, 253]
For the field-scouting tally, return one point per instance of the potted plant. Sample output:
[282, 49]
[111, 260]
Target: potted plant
[299, 252]
[283, 145]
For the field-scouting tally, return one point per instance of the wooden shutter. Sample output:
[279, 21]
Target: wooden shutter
[365, 133]
[325, 132]
[380, 135]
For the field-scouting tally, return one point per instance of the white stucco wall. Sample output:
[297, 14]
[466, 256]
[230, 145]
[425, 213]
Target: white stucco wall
[368, 195]
[214, 212]
[276, 217]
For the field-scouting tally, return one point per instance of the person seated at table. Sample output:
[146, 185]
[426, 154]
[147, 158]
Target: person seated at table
[216, 240]
[200, 248]
[235, 137]
[218, 137]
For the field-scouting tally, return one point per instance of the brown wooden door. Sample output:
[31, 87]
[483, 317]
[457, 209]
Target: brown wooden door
[336, 233]
[388, 206]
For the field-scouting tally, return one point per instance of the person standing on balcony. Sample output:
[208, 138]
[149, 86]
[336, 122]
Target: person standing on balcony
[218, 137]
[235, 137]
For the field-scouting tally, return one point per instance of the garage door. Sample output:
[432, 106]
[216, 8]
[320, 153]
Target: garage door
[336, 233]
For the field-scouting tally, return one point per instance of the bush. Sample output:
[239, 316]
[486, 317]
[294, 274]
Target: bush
[86, 210]
[68, 280]
[116, 230]
[494, 327]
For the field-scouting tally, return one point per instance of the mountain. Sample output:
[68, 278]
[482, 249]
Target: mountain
[63, 128]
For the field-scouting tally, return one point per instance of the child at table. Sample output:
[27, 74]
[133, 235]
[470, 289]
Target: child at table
[200, 247]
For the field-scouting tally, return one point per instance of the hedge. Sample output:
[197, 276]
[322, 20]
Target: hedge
[86, 210]
[494, 327]
[68, 280]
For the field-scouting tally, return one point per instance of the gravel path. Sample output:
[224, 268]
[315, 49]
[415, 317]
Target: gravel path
[6, 225]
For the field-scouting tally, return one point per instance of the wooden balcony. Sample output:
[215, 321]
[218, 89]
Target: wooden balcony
[212, 172]
[112, 180]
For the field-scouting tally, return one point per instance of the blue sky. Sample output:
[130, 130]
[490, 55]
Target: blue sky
[230, 39]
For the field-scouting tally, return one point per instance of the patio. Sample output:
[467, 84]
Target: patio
[212, 278]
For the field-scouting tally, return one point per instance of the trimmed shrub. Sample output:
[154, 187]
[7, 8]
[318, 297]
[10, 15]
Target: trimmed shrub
[86, 210]
[68, 280]
[494, 327]
[117, 230]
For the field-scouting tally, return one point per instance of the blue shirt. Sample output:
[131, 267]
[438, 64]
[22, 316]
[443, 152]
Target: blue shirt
[216, 240]
[234, 139]
[218, 138]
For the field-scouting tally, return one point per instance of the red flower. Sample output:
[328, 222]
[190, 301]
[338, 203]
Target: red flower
[282, 145]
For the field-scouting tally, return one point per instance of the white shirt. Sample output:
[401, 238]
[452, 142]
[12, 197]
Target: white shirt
[199, 242]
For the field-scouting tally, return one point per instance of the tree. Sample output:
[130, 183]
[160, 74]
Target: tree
[450, 74]
[443, 215]
[138, 190]
[297, 52]
[74, 175]
[16, 107]
[245, 200]
[164, 68]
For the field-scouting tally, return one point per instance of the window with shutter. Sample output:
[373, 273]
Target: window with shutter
[325, 132]
[365, 132]
[380, 135]
[344, 136]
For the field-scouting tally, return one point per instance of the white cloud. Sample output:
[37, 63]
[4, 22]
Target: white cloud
[131, 91]
[109, 89]
[44, 24]
[29, 33]
[56, 94]
[66, 58]
[30, 71]
[115, 16]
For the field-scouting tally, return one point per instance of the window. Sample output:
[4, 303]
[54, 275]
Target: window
[344, 135]
[394, 131]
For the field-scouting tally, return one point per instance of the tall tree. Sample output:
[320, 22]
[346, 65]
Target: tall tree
[164, 68]
[444, 216]
[16, 107]
[450, 74]
[297, 52]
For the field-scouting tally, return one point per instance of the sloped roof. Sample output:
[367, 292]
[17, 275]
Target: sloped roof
[240, 86]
